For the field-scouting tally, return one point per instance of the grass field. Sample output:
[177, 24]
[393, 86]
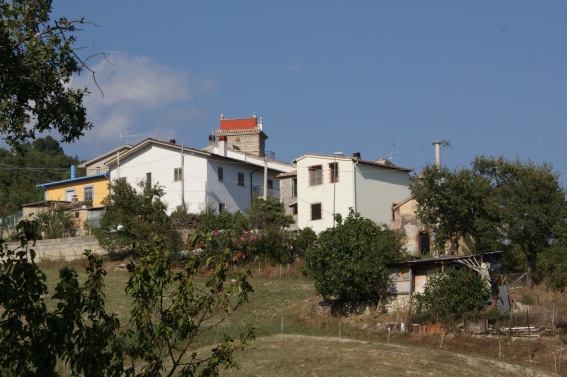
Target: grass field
[296, 337]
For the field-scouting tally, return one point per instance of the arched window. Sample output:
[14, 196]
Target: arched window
[424, 243]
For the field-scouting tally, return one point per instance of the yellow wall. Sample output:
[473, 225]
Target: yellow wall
[99, 184]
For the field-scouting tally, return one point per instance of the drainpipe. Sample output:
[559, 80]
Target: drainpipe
[354, 184]
[265, 178]
[182, 175]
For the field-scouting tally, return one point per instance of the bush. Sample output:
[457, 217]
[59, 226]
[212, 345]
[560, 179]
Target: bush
[348, 263]
[451, 296]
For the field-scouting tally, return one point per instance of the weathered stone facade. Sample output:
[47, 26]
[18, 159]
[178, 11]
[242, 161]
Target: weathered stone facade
[248, 141]
[418, 237]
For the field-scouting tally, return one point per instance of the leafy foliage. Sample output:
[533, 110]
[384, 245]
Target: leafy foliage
[38, 62]
[458, 205]
[170, 310]
[31, 164]
[32, 338]
[268, 213]
[348, 263]
[134, 217]
[57, 223]
[496, 205]
[449, 296]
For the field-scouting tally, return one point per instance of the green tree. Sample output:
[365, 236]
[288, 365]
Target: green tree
[303, 240]
[57, 223]
[34, 338]
[531, 205]
[497, 204]
[133, 218]
[268, 219]
[22, 169]
[348, 263]
[458, 206]
[170, 309]
[452, 295]
[268, 213]
[38, 62]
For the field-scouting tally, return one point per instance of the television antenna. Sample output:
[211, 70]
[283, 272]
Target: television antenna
[127, 136]
[393, 150]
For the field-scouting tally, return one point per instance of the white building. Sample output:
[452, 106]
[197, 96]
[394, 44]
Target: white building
[218, 175]
[325, 185]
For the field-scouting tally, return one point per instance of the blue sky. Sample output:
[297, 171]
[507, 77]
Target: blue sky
[385, 78]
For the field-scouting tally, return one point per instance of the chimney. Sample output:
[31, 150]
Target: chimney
[211, 139]
[73, 170]
[172, 141]
[222, 145]
[356, 155]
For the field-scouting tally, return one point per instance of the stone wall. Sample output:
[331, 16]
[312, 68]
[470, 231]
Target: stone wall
[68, 249]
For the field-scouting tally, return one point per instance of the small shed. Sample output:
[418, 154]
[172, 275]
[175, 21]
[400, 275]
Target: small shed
[409, 277]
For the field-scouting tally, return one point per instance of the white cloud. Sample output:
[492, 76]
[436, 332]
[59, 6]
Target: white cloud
[149, 98]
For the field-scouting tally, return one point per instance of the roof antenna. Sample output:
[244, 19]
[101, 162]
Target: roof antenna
[393, 150]
[127, 136]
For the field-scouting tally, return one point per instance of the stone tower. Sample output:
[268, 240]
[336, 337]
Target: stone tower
[245, 135]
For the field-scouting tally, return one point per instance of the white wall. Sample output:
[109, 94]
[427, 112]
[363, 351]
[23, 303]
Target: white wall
[201, 184]
[377, 189]
[368, 189]
[161, 161]
[334, 197]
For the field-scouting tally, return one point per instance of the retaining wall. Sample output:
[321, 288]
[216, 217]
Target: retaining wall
[68, 249]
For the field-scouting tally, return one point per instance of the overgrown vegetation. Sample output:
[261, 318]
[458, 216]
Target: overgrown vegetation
[133, 218]
[496, 204]
[453, 296]
[40, 161]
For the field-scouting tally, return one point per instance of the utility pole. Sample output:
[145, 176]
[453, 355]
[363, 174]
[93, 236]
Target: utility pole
[335, 168]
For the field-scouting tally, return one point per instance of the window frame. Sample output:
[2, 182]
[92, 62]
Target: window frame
[220, 173]
[177, 174]
[91, 189]
[294, 187]
[319, 211]
[315, 175]
[240, 179]
[333, 174]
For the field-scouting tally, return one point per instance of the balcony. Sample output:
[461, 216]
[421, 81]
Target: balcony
[273, 193]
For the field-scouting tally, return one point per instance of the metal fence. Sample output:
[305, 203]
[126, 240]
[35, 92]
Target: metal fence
[10, 222]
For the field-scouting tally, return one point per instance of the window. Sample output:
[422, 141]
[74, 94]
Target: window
[222, 207]
[148, 180]
[88, 194]
[315, 175]
[270, 184]
[294, 209]
[316, 211]
[220, 173]
[240, 179]
[70, 195]
[334, 172]
[177, 174]
[294, 188]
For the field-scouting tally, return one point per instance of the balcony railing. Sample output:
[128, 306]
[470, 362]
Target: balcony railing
[272, 192]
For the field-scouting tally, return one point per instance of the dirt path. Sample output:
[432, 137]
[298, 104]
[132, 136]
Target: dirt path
[299, 355]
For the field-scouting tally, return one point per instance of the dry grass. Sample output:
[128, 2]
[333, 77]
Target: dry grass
[298, 336]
